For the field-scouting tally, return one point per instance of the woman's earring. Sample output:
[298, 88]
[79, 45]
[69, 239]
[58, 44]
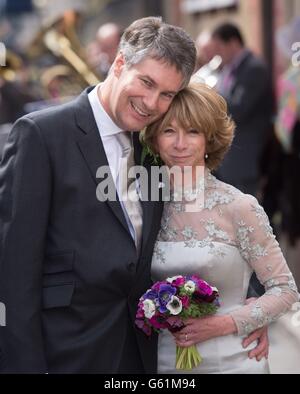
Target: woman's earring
[206, 156]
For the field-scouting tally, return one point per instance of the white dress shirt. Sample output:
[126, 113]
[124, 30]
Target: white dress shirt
[108, 131]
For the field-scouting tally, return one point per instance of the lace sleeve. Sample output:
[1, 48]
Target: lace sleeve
[258, 246]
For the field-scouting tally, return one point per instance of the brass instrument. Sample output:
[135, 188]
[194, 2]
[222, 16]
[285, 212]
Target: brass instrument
[13, 64]
[60, 39]
[61, 46]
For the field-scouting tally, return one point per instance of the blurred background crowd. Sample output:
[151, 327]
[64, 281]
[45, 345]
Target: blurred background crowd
[249, 50]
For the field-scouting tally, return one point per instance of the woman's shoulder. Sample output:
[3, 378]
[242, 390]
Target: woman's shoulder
[237, 201]
[217, 187]
[246, 210]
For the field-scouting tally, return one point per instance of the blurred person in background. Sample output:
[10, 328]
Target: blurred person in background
[287, 129]
[205, 48]
[209, 64]
[14, 89]
[245, 83]
[284, 190]
[15, 93]
[103, 50]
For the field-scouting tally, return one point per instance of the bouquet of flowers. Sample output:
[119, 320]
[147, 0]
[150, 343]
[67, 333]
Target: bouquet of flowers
[168, 303]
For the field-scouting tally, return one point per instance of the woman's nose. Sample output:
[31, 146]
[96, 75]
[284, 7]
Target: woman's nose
[181, 142]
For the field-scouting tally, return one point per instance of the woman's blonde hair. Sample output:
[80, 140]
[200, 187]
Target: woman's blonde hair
[199, 107]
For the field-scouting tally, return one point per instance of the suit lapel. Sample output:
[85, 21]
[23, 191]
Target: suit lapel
[91, 147]
[237, 71]
[147, 205]
[92, 150]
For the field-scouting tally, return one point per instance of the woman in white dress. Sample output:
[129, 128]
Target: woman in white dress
[223, 241]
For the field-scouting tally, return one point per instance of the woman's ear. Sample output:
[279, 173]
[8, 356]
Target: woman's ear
[119, 64]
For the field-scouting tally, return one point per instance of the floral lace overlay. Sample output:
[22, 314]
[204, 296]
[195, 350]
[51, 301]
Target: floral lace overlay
[232, 219]
[159, 254]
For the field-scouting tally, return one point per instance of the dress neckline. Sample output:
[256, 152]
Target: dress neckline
[190, 193]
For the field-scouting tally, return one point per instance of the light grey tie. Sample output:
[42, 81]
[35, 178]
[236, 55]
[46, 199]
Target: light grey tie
[127, 187]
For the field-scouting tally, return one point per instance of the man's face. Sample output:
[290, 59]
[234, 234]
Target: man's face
[142, 93]
[223, 49]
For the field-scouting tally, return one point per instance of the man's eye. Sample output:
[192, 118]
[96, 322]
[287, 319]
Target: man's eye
[146, 82]
[169, 96]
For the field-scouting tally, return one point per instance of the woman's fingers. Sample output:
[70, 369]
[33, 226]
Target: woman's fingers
[184, 341]
[258, 334]
[262, 348]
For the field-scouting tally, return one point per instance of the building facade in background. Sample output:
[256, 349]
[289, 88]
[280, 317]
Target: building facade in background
[258, 19]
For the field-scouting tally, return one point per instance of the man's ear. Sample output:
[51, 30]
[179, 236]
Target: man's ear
[119, 64]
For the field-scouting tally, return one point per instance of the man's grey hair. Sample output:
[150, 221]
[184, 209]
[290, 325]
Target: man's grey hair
[152, 38]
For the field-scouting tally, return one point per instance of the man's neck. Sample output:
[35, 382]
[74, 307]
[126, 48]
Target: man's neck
[103, 94]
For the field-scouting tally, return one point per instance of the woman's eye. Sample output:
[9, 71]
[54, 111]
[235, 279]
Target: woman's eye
[193, 131]
[168, 131]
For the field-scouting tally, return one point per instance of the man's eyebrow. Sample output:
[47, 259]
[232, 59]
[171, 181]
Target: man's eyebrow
[154, 83]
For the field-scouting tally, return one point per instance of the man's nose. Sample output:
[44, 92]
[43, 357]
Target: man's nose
[151, 101]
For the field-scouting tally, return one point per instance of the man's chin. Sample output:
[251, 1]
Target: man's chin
[136, 126]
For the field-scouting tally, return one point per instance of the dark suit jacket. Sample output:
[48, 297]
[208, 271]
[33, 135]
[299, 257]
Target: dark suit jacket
[69, 274]
[4, 131]
[250, 103]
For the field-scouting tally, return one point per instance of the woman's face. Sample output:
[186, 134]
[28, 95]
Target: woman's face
[181, 147]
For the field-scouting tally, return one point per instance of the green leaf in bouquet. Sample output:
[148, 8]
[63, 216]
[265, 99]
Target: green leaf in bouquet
[196, 310]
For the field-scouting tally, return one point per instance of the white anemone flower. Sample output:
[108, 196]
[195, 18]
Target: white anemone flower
[174, 305]
[149, 308]
[189, 286]
[170, 280]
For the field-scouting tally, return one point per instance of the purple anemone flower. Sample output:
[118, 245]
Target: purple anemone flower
[150, 295]
[164, 296]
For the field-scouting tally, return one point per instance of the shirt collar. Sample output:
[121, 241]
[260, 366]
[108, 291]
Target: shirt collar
[105, 124]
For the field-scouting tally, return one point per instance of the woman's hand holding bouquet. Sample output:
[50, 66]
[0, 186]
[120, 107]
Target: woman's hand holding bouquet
[170, 303]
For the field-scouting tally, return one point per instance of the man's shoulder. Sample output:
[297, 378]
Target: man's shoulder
[254, 62]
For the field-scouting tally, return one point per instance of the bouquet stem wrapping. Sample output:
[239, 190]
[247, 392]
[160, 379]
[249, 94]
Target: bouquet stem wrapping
[187, 358]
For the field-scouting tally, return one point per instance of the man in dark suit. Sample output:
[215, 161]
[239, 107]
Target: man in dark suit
[70, 272]
[246, 85]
